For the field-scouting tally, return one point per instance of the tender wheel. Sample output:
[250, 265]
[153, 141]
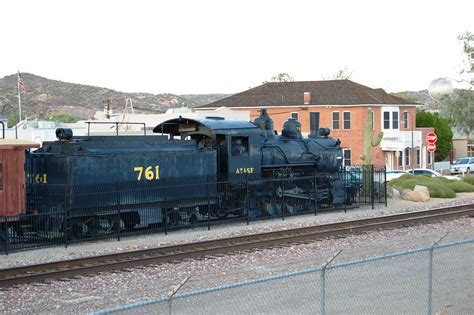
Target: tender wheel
[468, 170]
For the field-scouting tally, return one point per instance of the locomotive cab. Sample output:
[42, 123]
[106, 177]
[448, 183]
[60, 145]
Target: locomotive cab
[237, 143]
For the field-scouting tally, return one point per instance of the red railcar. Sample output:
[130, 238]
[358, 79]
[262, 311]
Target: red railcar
[12, 177]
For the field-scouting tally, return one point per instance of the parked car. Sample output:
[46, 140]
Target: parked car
[463, 166]
[431, 173]
[393, 174]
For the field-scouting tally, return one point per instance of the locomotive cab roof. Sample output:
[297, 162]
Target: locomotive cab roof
[208, 127]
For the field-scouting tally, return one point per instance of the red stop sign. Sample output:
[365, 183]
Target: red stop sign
[431, 137]
[431, 147]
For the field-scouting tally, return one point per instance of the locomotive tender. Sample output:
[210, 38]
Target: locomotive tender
[148, 169]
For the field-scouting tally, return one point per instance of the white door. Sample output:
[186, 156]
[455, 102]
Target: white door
[389, 160]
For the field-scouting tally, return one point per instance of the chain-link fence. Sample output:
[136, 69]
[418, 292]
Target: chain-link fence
[433, 280]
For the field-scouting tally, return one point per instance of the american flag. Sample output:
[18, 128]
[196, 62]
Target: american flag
[21, 84]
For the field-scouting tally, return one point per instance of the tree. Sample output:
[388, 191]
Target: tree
[467, 40]
[65, 118]
[444, 145]
[341, 74]
[459, 106]
[282, 77]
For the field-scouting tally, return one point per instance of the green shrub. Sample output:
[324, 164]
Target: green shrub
[438, 187]
[460, 186]
[468, 179]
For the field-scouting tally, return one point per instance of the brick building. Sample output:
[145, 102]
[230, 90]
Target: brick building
[341, 105]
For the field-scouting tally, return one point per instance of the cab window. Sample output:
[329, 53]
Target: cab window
[240, 146]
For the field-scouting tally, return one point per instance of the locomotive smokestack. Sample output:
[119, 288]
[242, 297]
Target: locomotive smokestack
[314, 125]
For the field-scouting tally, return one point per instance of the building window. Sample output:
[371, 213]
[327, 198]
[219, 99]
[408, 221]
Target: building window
[430, 157]
[294, 115]
[347, 120]
[394, 120]
[418, 156]
[347, 157]
[391, 119]
[470, 147]
[1, 176]
[386, 120]
[240, 146]
[405, 119]
[335, 120]
[400, 158]
[407, 157]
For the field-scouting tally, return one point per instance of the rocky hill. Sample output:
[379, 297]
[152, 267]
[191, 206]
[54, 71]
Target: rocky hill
[47, 97]
[421, 97]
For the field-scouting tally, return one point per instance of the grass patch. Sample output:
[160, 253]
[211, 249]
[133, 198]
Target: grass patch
[468, 179]
[461, 186]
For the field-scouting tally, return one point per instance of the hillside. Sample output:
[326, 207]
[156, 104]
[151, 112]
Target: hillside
[46, 97]
[421, 97]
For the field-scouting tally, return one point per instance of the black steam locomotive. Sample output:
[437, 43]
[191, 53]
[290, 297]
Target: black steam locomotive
[149, 172]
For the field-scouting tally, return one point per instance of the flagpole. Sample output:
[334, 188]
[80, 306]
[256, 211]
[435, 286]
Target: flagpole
[19, 98]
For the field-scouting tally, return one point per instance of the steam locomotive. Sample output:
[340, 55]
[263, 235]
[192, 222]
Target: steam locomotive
[215, 158]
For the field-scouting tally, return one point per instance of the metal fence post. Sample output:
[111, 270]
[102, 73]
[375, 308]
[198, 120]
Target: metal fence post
[315, 195]
[118, 212]
[372, 186]
[283, 199]
[208, 203]
[247, 204]
[430, 274]
[6, 235]
[344, 180]
[66, 216]
[165, 212]
[173, 292]
[385, 183]
[323, 282]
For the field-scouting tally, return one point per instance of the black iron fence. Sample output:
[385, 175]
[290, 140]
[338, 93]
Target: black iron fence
[60, 215]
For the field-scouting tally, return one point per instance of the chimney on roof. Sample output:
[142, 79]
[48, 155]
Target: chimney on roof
[307, 98]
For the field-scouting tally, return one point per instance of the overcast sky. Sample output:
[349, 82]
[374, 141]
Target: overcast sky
[178, 46]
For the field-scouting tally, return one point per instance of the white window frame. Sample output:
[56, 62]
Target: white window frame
[391, 111]
[344, 120]
[395, 126]
[339, 120]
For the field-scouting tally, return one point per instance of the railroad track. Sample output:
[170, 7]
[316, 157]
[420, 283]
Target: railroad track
[91, 265]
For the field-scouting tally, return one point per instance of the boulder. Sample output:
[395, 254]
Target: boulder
[419, 194]
[396, 194]
[423, 192]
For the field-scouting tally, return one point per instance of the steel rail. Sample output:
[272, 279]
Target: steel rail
[95, 264]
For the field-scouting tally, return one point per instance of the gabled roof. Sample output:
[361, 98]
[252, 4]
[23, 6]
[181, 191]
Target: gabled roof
[329, 92]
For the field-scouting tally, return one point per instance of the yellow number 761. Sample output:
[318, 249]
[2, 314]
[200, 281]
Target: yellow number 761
[150, 172]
